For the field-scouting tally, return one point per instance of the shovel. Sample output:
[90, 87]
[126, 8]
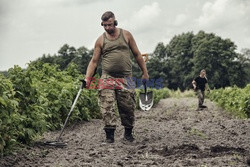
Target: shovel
[146, 100]
[57, 142]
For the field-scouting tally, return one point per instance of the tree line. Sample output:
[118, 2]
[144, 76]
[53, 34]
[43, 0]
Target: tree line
[177, 62]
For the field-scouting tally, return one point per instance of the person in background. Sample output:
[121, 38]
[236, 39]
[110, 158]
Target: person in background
[200, 84]
[114, 48]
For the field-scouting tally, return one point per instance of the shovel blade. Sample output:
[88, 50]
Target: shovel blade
[146, 100]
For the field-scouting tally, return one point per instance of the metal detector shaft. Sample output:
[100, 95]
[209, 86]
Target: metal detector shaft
[72, 107]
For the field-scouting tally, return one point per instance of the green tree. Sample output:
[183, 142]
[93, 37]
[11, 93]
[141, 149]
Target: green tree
[83, 56]
[157, 64]
[244, 60]
[219, 58]
[67, 55]
[180, 55]
[186, 54]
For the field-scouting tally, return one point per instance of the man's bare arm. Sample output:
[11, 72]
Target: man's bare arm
[207, 87]
[94, 60]
[194, 84]
[137, 54]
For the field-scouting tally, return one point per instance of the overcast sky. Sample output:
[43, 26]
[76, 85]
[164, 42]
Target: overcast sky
[31, 28]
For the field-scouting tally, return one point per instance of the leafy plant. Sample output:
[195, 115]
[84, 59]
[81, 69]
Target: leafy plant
[233, 99]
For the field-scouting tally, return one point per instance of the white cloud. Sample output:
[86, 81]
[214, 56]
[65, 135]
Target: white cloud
[220, 13]
[180, 19]
[29, 28]
[228, 19]
[145, 18]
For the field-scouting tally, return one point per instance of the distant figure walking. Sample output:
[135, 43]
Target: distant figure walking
[200, 84]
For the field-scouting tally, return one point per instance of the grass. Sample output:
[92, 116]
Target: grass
[179, 94]
[197, 132]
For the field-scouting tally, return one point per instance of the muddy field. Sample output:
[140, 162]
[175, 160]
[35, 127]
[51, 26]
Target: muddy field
[170, 134]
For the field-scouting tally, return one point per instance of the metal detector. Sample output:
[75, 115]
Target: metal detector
[57, 142]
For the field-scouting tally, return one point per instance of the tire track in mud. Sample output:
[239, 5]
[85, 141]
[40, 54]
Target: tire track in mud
[170, 134]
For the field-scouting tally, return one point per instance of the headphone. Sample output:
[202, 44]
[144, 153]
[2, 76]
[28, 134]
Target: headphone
[115, 23]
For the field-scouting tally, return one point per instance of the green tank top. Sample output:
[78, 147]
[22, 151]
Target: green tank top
[116, 57]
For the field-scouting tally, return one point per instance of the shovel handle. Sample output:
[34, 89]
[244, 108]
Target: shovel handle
[146, 57]
[145, 86]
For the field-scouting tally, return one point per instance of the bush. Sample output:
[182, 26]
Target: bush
[9, 116]
[39, 99]
[233, 99]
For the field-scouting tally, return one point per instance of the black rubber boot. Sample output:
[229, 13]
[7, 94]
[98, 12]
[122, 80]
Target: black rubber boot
[203, 106]
[110, 135]
[128, 135]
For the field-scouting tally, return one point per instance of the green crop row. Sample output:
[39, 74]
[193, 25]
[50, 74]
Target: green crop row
[38, 99]
[233, 99]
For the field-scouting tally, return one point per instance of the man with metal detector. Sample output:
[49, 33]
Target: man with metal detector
[115, 48]
[200, 84]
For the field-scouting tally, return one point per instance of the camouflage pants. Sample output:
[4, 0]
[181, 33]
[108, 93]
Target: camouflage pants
[201, 96]
[124, 99]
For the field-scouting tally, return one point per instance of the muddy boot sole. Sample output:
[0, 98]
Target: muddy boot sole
[130, 139]
[109, 141]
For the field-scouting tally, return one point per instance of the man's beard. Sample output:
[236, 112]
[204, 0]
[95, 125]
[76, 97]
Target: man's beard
[110, 31]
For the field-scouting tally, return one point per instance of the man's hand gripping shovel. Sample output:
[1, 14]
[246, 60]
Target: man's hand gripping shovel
[146, 100]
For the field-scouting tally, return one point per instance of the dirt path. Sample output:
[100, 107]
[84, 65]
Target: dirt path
[171, 134]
